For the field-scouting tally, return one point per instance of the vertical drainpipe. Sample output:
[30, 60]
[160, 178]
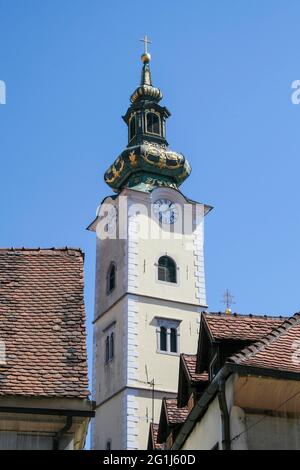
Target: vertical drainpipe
[226, 441]
[59, 434]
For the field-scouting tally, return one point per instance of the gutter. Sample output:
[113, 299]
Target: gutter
[59, 434]
[48, 411]
[200, 408]
[226, 439]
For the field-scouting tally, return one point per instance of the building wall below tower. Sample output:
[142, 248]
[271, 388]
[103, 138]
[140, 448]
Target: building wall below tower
[124, 419]
[163, 367]
[110, 377]
[137, 361]
[109, 424]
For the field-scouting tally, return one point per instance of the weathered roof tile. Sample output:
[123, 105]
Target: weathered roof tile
[174, 414]
[190, 363]
[279, 350]
[42, 323]
[154, 432]
[240, 327]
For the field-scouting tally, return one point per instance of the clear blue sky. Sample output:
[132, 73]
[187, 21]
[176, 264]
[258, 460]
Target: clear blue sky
[225, 67]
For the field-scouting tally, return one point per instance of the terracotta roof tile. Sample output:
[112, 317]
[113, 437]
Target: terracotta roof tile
[279, 349]
[42, 323]
[174, 414]
[154, 432]
[190, 362]
[240, 327]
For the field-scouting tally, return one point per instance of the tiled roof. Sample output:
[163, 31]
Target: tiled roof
[154, 432]
[190, 362]
[174, 414]
[42, 323]
[240, 327]
[279, 350]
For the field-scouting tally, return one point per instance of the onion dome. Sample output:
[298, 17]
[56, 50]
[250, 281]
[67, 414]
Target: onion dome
[146, 166]
[147, 161]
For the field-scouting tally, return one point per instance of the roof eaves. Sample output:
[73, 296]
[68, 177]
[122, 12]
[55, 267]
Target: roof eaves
[186, 369]
[209, 394]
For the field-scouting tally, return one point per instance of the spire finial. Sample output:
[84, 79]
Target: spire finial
[146, 57]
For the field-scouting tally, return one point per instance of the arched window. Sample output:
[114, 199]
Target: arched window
[111, 278]
[153, 123]
[167, 269]
[107, 349]
[132, 127]
[112, 345]
[173, 340]
[163, 338]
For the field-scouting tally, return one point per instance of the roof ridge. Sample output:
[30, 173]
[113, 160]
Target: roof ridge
[243, 315]
[270, 338]
[39, 249]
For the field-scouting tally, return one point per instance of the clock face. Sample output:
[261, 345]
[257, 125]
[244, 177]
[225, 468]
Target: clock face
[166, 211]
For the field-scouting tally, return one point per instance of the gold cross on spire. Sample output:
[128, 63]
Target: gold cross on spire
[146, 41]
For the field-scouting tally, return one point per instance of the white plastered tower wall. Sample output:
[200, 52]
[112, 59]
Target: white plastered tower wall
[125, 400]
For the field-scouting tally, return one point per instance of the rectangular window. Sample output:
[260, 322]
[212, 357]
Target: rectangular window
[173, 340]
[167, 336]
[163, 338]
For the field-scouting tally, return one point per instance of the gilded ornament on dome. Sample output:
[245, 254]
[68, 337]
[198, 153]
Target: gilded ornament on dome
[109, 177]
[133, 159]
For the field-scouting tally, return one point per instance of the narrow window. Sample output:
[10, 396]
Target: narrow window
[112, 345]
[167, 269]
[153, 123]
[107, 349]
[168, 336]
[111, 278]
[108, 445]
[132, 128]
[173, 340]
[163, 338]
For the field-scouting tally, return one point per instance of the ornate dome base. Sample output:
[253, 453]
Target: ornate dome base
[147, 165]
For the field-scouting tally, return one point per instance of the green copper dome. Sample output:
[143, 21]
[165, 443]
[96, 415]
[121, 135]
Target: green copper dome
[147, 161]
[151, 164]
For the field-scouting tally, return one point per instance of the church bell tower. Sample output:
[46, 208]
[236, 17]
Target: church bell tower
[150, 283]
